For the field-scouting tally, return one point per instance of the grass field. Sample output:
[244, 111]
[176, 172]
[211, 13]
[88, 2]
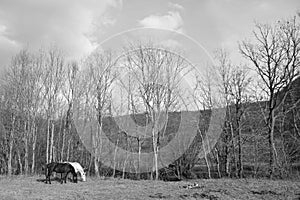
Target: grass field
[34, 188]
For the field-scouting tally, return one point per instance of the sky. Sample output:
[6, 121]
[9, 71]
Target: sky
[79, 27]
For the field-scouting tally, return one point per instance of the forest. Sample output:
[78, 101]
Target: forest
[56, 109]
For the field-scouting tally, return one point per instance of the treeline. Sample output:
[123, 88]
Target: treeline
[36, 92]
[41, 94]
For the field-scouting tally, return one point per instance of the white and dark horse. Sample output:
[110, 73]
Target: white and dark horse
[62, 168]
[78, 169]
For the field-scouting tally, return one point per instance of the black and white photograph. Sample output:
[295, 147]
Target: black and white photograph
[161, 99]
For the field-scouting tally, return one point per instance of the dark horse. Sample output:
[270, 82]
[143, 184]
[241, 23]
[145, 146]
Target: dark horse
[61, 168]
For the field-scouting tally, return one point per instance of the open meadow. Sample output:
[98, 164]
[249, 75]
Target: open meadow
[19, 187]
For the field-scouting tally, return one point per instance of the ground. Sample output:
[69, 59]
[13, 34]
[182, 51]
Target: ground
[34, 188]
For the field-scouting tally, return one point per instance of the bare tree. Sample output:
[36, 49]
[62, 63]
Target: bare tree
[53, 74]
[157, 74]
[99, 78]
[239, 91]
[69, 90]
[224, 68]
[34, 102]
[275, 55]
[202, 96]
[230, 84]
[15, 86]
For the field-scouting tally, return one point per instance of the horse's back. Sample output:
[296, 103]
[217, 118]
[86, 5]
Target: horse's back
[63, 167]
[77, 166]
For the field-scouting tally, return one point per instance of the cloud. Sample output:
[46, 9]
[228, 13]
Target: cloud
[176, 6]
[68, 24]
[172, 20]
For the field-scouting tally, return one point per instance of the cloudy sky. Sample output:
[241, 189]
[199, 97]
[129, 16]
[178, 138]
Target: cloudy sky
[78, 27]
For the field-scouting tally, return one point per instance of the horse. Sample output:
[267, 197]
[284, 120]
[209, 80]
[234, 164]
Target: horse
[60, 168]
[78, 169]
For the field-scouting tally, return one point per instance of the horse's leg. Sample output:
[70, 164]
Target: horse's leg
[62, 179]
[74, 181]
[73, 178]
[46, 172]
[46, 178]
[49, 176]
[65, 177]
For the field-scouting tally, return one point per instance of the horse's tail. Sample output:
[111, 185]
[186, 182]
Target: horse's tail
[44, 168]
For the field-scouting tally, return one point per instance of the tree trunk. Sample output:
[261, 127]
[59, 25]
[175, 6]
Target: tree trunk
[255, 157]
[90, 163]
[52, 142]
[155, 151]
[47, 142]
[218, 163]
[68, 151]
[240, 161]
[124, 166]
[26, 165]
[125, 161]
[11, 144]
[20, 161]
[233, 150]
[115, 154]
[26, 138]
[97, 145]
[271, 143]
[96, 165]
[34, 139]
[205, 154]
[63, 145]
[155, 141]
[9, 164]
[139, 159]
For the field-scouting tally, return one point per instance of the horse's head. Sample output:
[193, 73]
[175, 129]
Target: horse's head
[83, 174]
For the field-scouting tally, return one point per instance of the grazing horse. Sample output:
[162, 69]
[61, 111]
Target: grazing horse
[60, 168]
[78, 169]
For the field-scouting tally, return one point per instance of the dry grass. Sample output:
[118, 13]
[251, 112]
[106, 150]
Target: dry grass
[33, 188]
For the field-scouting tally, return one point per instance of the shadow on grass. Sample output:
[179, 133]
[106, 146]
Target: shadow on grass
[56, 179]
